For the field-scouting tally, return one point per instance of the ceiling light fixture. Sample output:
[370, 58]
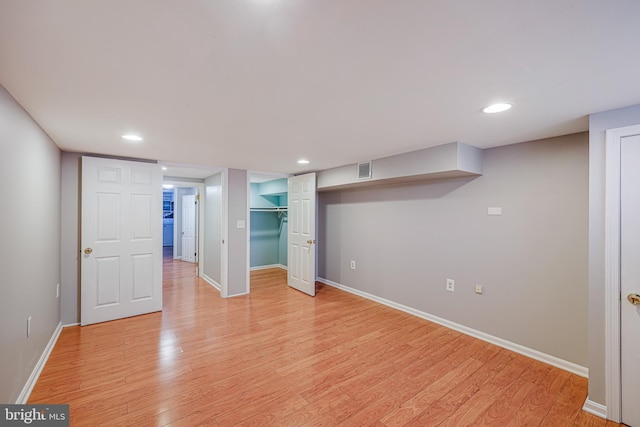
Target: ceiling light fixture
[497, 108]
[132, 137]
[303, 162]
[164, 168]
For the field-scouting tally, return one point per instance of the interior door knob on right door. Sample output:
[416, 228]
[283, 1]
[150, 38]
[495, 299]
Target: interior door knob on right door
[634, 299]
[87, 251]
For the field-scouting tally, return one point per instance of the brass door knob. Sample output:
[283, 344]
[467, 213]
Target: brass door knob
[634, 299]
[311, 242]
[87, 251]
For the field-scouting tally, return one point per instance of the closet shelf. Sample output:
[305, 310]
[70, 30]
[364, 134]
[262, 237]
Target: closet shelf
[278, 209]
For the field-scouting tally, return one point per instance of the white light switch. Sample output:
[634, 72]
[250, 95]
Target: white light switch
[494, 211]
[240, 223]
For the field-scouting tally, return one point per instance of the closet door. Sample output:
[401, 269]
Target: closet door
[302, 233]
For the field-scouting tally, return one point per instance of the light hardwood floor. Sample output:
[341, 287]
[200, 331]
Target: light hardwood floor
[280, 358]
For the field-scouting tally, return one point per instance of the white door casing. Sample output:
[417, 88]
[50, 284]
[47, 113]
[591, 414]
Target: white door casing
[619, 333]
[630, 279]
[121, 239]
[189, 228]
[301, 253]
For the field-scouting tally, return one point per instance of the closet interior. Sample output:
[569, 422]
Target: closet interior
[268, 225]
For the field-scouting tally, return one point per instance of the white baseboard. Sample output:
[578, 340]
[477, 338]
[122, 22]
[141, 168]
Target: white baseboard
[594, 408]
[70, 324]
[211, 282]
[23, 397]
[266, 267]
[534, 354]
[238, 295]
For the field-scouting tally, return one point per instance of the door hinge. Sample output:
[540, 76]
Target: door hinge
[197, 197]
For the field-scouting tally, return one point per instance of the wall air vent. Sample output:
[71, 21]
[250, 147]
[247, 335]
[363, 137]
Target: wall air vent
[364, 170]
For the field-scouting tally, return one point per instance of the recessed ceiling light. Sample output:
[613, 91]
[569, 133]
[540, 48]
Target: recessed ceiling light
[164, 168]
[497, 108]
[303, 162]
[132, 137]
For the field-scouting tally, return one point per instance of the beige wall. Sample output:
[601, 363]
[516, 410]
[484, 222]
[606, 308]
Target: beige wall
[532, 261]
[30, 255]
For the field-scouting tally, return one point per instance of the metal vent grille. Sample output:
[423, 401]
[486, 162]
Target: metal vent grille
[364, 170]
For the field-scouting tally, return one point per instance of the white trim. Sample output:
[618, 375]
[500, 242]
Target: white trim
[247, 230]
[23, 397]
[612, 275]
[267, 267]
[612, 270]
[68, 325]
[238, 295]
[595, 408]
[534, 354]
[211, 282]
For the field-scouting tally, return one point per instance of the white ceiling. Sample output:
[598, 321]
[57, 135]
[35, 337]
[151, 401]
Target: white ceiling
[258, 84]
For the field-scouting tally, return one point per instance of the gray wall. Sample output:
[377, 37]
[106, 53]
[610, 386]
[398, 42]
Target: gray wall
[532, 261]
[283, 240]
[70, 243]
[237, 207]
[598, 124]
[213, 228]
[30, 257]
[265, 238]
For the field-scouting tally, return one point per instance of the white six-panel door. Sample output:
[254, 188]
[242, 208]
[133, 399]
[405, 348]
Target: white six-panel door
[121, 239]
[189, 228]
[302, 233]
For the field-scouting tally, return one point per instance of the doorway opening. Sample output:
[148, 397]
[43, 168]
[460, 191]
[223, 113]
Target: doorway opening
[167, 223]
[268, 222]
[181, 216]
[180, 222]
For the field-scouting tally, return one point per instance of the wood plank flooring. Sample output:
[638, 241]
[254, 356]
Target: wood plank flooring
[277, 357]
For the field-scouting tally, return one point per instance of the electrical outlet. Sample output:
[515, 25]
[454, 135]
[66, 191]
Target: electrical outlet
[451, 285]
[58, 290]
[28, 326]
[479, 289]
[353, 265]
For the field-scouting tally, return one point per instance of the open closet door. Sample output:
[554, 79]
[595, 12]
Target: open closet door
[302, 233]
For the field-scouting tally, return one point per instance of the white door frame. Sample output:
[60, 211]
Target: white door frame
[612, 269]
[200, 214]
